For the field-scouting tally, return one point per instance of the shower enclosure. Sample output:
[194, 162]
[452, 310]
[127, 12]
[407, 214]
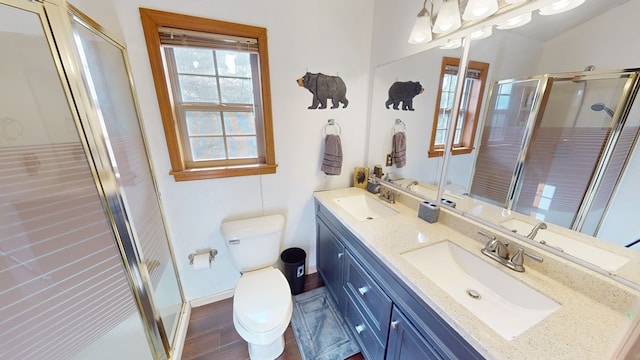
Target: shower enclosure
[554, 146]
[86, 266]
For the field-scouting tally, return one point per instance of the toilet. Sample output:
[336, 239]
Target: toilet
[262, 302]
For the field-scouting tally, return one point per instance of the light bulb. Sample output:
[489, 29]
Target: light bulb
[515, 22]
[480, 9]
[421, 32]
[448, 18]
[560, 7]
[482, 33]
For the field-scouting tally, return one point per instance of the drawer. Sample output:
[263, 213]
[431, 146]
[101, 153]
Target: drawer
[373, 303]
[370, 345]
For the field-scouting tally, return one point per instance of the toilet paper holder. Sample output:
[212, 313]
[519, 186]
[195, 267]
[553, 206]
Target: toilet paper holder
[212, 255]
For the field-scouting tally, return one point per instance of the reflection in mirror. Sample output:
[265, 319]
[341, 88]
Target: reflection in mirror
[577, 164]
[562, 165]
[597, 35]
[424, 68]
[511, 118]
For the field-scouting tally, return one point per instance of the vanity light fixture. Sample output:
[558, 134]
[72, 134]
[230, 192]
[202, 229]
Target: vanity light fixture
[560, 6]
[479, 9]
[421, 32]
[515, 22]
[448, 17]
[482, 33]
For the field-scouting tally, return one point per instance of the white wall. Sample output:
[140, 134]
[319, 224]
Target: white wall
[102, 12]
[393, 21]
[607, 42]
[332, 37]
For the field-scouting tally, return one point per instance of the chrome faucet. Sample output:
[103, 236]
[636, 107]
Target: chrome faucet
[518, 259]
[387, 195]
[497, 248]
[499, 251]
[535, 229]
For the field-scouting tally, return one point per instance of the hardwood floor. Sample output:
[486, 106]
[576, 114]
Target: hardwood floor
[211, 335]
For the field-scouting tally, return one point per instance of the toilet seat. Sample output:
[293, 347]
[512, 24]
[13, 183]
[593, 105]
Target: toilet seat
[262, 303]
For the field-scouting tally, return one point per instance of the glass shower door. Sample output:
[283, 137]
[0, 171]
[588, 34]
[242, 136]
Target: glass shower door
[570, 141]
[510, 118]
[105, 76]
[64, 292]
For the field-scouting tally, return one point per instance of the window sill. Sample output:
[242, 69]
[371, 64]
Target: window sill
[223, 172]
[455, 151]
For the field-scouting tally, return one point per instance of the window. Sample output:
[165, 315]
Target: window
[500, 112]
[212, 84]
[469, 107]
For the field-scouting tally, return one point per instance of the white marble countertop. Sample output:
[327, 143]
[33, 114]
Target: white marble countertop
[583, 327]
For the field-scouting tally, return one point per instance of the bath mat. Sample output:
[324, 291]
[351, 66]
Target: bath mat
[320, 331]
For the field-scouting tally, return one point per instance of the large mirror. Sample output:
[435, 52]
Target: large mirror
[568, 67]
[423, 68]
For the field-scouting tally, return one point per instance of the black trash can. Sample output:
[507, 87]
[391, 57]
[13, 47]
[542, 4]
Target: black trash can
[293, 260]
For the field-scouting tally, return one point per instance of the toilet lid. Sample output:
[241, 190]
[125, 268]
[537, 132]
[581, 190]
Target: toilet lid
[262, 299]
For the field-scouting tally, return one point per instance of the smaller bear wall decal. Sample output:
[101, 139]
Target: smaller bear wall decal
[403, 92]
[324, 87]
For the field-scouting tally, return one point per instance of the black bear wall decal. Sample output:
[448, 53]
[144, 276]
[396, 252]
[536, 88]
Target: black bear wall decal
[403, 92]
[324, 87]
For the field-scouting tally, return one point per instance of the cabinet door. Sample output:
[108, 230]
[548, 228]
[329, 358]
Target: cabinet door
[374, 304]
[329, 261]
[405, 342]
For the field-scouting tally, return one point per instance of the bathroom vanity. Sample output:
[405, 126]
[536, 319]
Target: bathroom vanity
[383, 312]
[369, 255]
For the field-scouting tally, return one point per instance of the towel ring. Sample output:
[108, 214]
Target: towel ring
[401, 124]
[331, 123]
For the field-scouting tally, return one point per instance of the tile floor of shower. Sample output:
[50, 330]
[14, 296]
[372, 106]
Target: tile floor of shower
[211, 335]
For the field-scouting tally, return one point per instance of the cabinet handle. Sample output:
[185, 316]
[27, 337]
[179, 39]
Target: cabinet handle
[360, 328]
[394, 324]
[340, 255]
[363, 290]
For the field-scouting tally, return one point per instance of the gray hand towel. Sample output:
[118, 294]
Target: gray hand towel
[399, 149]
[332, 160]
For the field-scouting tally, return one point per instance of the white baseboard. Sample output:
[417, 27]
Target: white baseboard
[211, 298]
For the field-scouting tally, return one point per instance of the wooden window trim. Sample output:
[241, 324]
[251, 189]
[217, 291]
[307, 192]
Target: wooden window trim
[473, 113]
[152, 21]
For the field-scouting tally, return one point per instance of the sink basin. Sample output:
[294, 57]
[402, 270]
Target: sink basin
[594, 255]
[501, 301]
[363, 207]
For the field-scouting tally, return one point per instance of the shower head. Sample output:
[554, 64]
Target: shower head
[602, 107]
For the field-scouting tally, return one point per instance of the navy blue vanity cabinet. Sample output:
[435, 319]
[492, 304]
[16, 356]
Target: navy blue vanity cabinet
[329, 261]
[388, 318]
[367, 308]
[363, 291]
[405, 342]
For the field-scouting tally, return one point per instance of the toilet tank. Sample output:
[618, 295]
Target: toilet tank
[253, 243]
